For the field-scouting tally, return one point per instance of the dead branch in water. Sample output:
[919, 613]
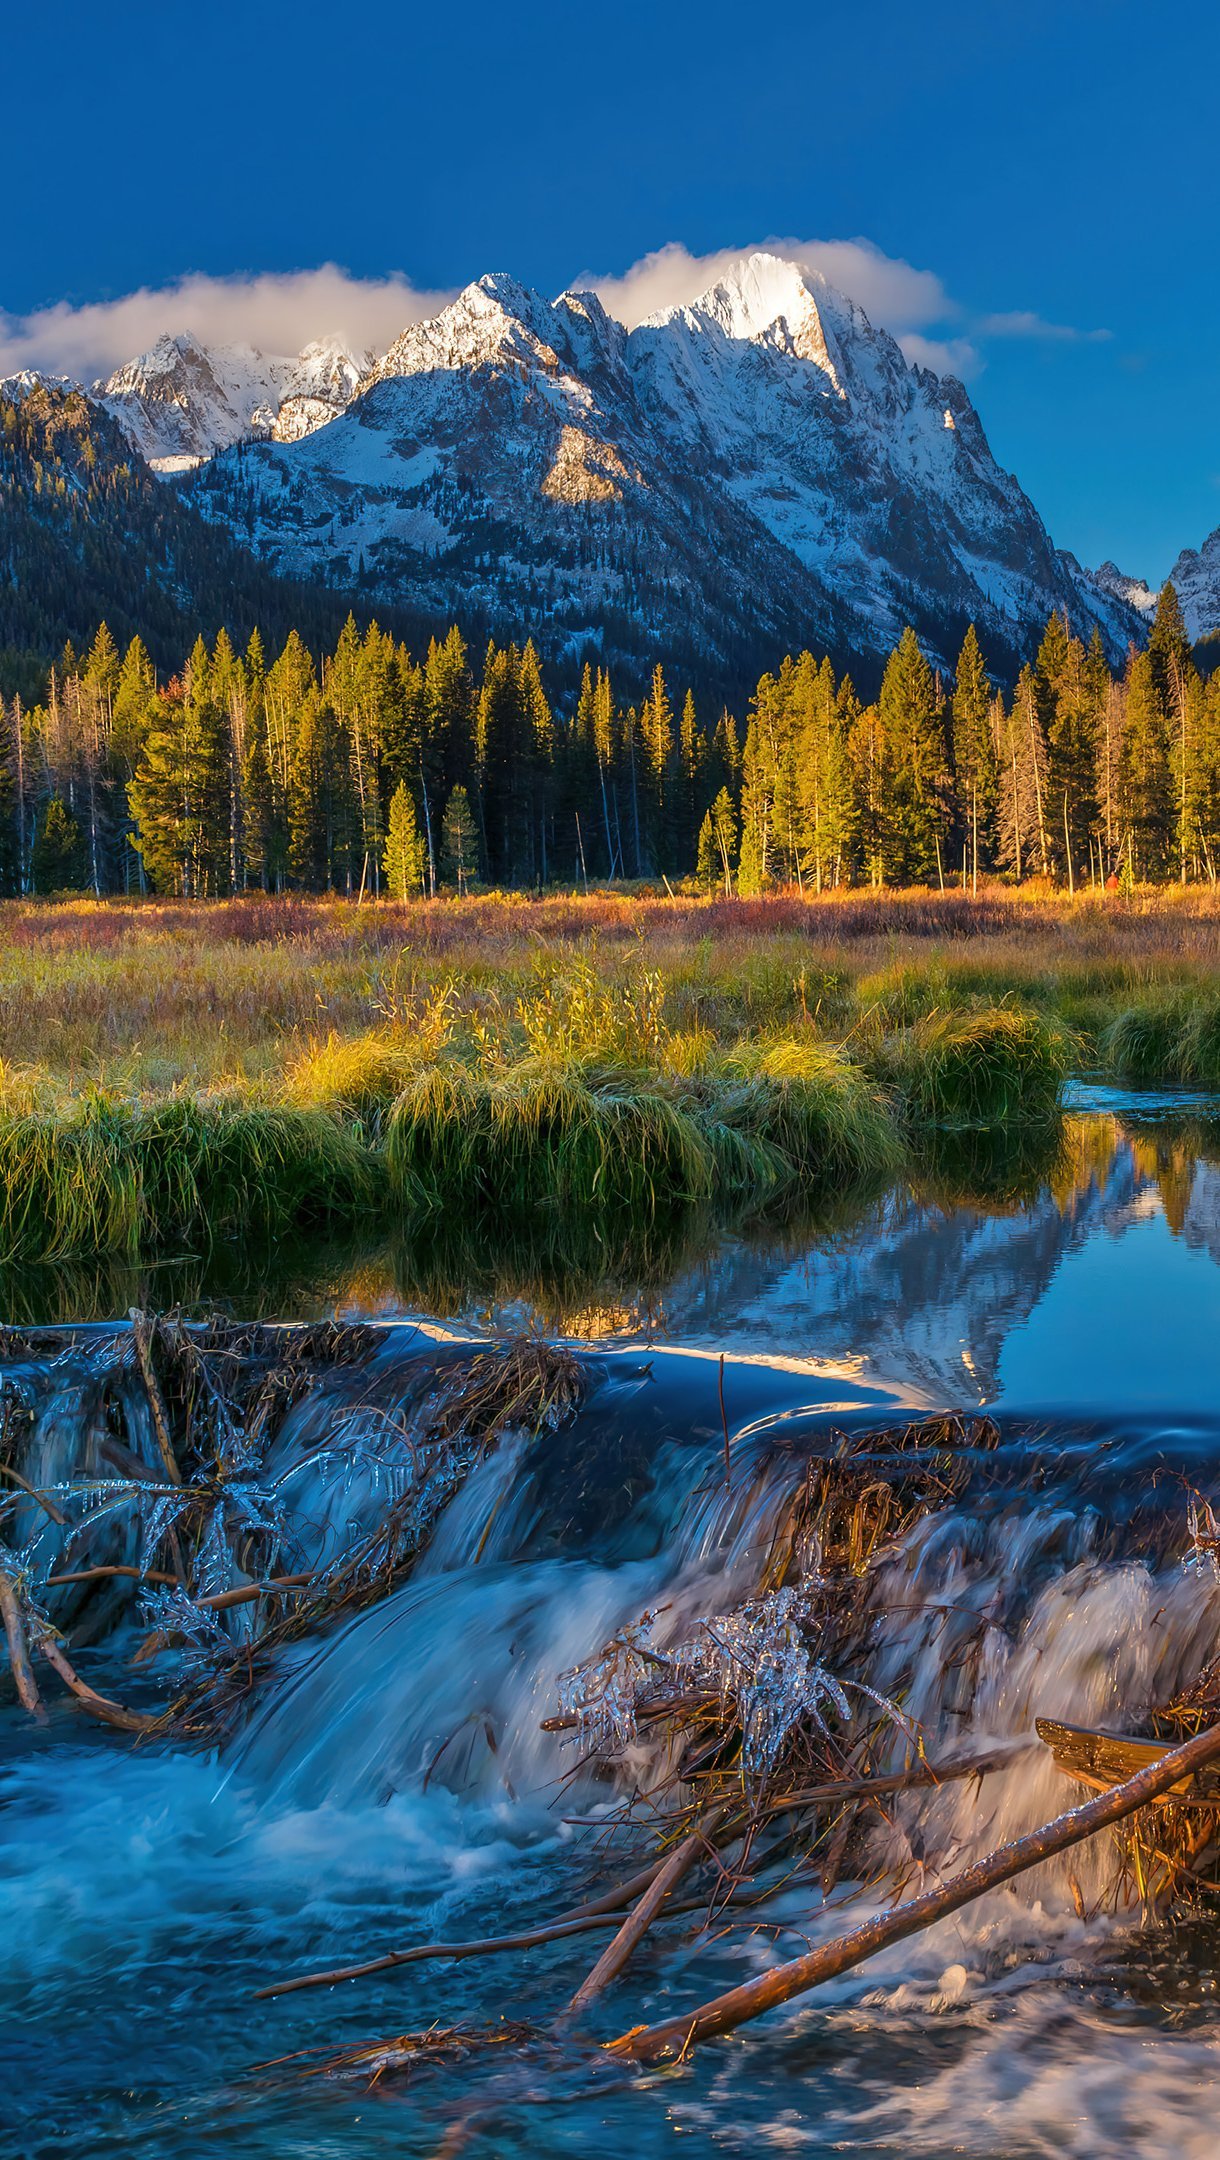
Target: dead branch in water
[491, 1946]
[135, 1574]
[642, 1915]
[98, 1706]
[676, 2036]
[18, 1650]
[141, 1335]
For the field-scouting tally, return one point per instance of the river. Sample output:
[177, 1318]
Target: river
[393, 1784]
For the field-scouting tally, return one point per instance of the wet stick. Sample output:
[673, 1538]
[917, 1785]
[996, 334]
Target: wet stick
[600, 1913]
[97, 1574]
[642, 1915]
[675, 2036]
[18, 1651]
[142, 1337]
[492, 1946]
[724, 1420]
[98, 1706]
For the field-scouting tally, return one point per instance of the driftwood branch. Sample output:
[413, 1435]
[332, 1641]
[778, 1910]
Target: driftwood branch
[675, 2036]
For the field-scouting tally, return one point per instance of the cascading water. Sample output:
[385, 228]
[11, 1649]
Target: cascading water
[392, 1779]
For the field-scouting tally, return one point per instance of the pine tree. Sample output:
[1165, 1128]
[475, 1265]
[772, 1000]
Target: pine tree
[1070, 718]
[406, 860]
[724, 836]
[1169, 649]
[658, 779]
[59, 862]
[974, 752]
[1146, 791]
[915, 751]
[177, 795]
[707, 861]
[460, 837]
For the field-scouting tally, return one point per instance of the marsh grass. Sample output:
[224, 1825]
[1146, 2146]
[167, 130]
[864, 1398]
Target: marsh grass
[358, 1076]
[110, 1177]
[544, 1134]
[175, 1077]
[980, 1070]
[1170, 1037]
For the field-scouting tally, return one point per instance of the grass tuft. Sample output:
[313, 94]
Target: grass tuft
[108, 1177]
[974, 1071]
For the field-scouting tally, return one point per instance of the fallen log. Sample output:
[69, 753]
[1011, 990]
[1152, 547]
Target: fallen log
[675, 2036]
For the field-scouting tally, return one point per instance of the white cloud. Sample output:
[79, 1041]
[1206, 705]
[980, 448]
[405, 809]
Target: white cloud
[279, 313]
[944, 356]
[934, 330]
[1023, 323]
[276, 313]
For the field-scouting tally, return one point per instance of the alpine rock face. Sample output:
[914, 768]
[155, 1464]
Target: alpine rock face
[1196, 579]
[1133, 590]
[181, 403]
[760, 470]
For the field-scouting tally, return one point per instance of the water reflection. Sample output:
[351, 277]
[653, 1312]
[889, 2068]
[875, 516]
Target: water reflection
[1075, 1271]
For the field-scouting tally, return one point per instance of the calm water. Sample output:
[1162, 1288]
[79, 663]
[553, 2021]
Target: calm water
[145, 1894]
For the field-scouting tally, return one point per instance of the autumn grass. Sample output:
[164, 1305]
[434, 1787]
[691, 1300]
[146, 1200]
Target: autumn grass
[974, 1070]
[142, 998]
[175, 1077]
[747, 1129]
[1170, 1037]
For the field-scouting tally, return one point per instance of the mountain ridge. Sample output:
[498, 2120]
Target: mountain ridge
[756, 470]
[759, 464]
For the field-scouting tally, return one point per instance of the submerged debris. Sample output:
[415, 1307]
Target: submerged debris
[208, 1522]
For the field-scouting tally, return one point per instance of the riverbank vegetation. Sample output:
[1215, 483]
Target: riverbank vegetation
[175, 1076]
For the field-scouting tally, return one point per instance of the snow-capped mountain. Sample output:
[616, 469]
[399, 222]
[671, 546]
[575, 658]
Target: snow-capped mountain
[321, 384]
[763, 466]
[1196, 579]
[14, 389]
[761, 469]
[181, 402]
[1135, 591]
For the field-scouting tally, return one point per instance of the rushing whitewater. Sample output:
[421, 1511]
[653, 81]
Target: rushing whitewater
[414, 1768]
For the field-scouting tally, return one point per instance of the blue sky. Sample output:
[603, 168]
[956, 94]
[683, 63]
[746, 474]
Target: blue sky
[1051, 167]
